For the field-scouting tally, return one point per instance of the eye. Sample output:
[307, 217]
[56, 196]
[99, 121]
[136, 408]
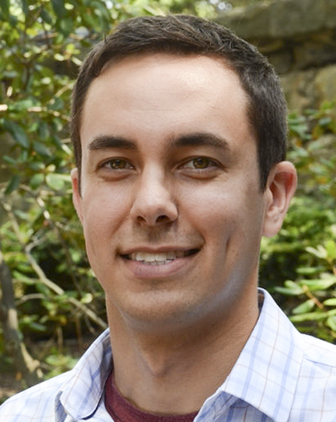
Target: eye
[117, 164]
[200, 163]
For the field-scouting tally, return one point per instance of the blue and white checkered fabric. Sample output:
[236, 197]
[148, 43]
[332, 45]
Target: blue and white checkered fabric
[281, 376]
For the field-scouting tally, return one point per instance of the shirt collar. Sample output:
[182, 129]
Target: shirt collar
[81, 396]
[264, 376]
[267, 370]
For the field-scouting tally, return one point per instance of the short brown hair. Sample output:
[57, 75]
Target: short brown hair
[190, 35]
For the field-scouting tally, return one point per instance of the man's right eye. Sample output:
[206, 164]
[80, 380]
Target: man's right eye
[117, 164]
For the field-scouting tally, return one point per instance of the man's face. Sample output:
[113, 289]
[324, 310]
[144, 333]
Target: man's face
[170, 200]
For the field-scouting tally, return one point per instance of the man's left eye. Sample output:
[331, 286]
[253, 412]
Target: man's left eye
[118, 164]
[199, 163]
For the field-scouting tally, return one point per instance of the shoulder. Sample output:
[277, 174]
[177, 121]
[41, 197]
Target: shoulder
[318, 352]
[37, 401]
[308, 349]
[76, 391]
[315, 390]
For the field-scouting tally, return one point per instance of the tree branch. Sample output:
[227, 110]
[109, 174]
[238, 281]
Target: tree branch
[44, 279]
[24, 363]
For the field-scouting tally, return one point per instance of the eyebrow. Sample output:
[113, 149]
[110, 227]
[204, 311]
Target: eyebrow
[110, 141]
[189, 140]
[200, 139]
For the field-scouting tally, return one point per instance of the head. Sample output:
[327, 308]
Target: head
[184, 35]
[170, 117]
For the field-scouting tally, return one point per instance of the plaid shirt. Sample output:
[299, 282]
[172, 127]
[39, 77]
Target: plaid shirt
[280, 375]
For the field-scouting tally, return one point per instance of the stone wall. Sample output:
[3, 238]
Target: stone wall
[299, 38]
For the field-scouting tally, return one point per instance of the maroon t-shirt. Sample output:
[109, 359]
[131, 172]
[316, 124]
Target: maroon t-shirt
[121, 410]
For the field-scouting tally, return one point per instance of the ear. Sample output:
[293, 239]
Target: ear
[281, 185]
[76, 194]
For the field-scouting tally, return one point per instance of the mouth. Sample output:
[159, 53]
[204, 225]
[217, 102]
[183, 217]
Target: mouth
[158, 258]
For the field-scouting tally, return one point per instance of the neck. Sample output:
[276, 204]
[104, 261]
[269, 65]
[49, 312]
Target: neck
[180, 369]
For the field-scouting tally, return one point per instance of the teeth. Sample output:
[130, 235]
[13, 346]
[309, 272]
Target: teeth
[157, 258]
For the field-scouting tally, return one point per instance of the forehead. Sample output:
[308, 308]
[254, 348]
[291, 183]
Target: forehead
[161, 94]
[193, 70]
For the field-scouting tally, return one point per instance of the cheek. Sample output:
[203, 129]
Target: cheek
[103, 213]
[227, 215]
[213, 209]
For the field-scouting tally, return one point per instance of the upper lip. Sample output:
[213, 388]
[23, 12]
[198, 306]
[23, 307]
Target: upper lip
[157, 250]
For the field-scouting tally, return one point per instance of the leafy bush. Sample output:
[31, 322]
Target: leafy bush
[304, 253]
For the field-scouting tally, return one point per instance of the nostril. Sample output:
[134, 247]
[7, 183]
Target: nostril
[162, 219]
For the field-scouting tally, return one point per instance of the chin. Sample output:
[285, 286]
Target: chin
[159, 316]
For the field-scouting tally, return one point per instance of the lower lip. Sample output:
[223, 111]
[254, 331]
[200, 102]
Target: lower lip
[149, 271]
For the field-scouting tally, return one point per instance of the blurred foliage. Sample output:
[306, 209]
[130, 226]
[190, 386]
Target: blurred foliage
[304, 252]
[42, 43]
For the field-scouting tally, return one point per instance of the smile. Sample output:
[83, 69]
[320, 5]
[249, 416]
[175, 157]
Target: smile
[159, 258]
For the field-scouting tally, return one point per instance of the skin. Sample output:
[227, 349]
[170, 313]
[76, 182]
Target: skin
[170, 166]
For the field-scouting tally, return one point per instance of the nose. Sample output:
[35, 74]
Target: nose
[153, 203]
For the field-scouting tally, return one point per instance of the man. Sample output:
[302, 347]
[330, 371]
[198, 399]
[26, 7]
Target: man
[179, 130]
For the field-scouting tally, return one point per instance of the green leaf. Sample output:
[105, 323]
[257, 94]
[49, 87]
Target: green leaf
[87, 298]
[319, 252]
[18, 133]
[54, 182]
[331, 322]
[324, 121]
[9, 160]
[36, 180]
[25, 8]
[13, 184]
[304, 307]
[23, 278]
[308, 271]
[43, 131]
[57, 103]
[291, 288]
[45, 16]
[41, 149]
[59, 8]
[310, 316]
[59, 57]
[57, 181]
[330, 302]
[319, 284]
[22, 105]
[331, 249]
[4, 7]
[37, 165]
[66, 26]
[90, 21]
[35, 326]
